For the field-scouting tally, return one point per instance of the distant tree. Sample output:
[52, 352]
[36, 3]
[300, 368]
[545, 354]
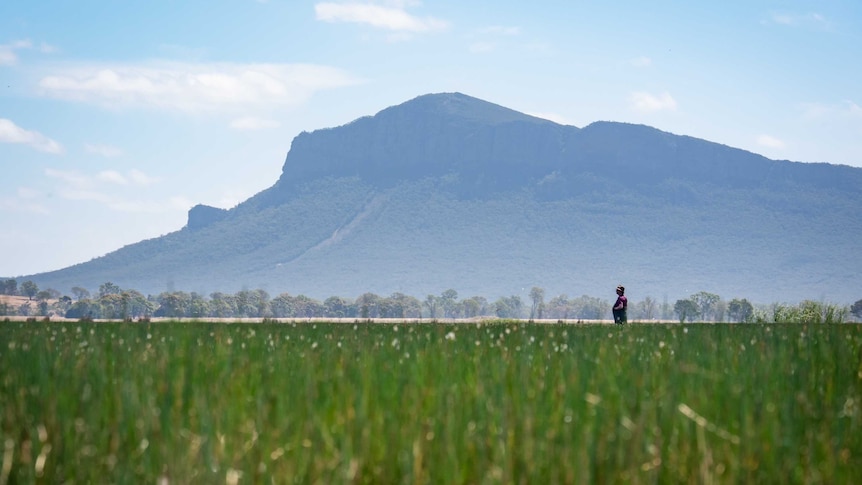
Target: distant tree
[80, 293]
[510, 307]
[113, 306]
[9, 287]
[559, 307]
[449, 303]
[389, 308]
[222, 305]
[307, 307]
[856, 309]
[261, 303]
[740, 310]
[685, 310]
[281, 306]
[648, 308]
[334, 306]
[42, 308]
[63, 304]
[109, 288]
[537, 297]
[474, 306]
[44, 295]
[368, 305]
[85, 308]
[706, 303]
[29, 289]
[198, 306]
[243, 300]
[399, 305]
[136, 305]
[590, 308]
[25, 310]
[432, 303]
[172, 304]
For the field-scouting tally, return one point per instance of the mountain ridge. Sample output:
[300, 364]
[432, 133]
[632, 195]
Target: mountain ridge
[449, 191]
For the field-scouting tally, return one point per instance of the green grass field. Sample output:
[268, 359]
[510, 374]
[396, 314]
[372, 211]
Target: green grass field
[499, 402]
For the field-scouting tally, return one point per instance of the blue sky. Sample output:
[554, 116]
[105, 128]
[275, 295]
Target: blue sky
[117, 117]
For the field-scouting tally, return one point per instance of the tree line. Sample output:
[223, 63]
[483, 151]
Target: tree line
[113, 302]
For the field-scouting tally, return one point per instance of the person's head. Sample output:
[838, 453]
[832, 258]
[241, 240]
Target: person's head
[621, 289]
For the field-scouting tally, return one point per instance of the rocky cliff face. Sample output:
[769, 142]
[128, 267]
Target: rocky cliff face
[201, 216]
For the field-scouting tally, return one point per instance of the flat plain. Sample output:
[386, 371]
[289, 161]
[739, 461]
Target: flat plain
[484, 402]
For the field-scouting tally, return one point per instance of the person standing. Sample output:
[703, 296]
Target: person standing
[620, 306]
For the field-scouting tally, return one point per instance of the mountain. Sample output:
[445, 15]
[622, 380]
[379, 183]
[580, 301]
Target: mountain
[449, 191]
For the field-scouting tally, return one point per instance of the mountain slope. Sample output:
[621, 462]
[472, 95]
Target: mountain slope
[448, 191]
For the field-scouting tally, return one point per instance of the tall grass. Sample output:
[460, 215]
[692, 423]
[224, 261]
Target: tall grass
[430, 403]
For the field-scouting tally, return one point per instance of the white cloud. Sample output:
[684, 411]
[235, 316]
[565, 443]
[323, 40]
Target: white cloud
[770, 142]
[392, 17]
[112, 176]
[8, 56]
[10, 204]
[109, 188]
[85, 183]
[70, 178]
[103, 150]
[140, 178]
[12, 133]
[27, 201]
[46, 48]
[250, 123]
[191, 87]
[648, 103]
[810, 20]
[845, 110]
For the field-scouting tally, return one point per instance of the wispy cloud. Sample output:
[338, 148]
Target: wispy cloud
[110, 189]
[79, 181]
[191, 87]
[9, 52]
[489, 38]
[132, 177]
[26, 200]
[12, 133]
[810, 20]
[845, 110]
[103, 150]
[391, 16]
[648, 103]
[250, 123]
[770, 142]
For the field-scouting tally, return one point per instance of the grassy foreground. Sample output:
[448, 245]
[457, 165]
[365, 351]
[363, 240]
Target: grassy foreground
[429, 403]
